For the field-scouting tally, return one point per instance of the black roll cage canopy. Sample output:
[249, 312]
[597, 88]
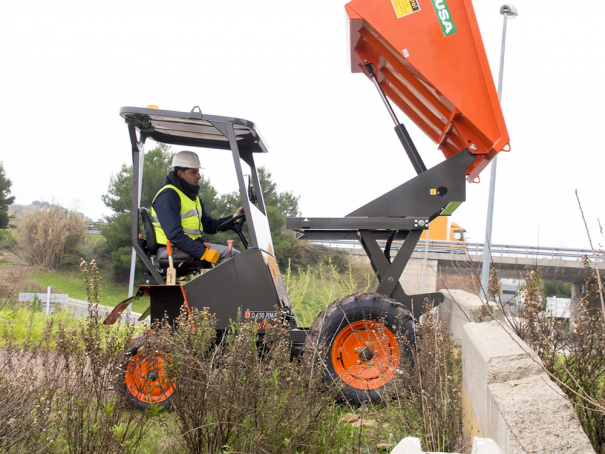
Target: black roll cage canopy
[195, 129]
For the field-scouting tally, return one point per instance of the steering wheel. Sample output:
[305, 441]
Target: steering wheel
[237, 227]
[224, 225]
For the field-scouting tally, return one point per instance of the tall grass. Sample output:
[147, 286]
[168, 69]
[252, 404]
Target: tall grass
[312, 289]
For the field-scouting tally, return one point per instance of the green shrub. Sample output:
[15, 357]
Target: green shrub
[7, 240]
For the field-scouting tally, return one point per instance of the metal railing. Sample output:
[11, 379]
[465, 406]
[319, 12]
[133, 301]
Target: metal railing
[497, 250]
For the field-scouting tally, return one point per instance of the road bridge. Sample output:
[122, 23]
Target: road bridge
[557, 264]
[434, 258]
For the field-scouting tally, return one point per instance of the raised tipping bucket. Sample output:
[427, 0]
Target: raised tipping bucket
[429, 59]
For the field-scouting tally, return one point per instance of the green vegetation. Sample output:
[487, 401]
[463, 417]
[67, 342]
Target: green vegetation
[27, 325]
[6, 239]
[558, 289]
[235, 399]
[16, 278]
[5, 198]
[70, 282]
[313, 288]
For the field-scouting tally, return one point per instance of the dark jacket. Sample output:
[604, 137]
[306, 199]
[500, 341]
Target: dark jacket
[167, 205]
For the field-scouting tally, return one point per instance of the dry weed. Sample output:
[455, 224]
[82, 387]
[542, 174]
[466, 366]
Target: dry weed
[242, 394]
[576, 361]
[428, 403]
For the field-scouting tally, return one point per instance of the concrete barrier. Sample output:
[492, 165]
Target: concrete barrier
[411, 445]
[506, 394]
[79, 308]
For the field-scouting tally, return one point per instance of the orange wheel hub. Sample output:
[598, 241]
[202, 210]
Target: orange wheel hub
[365, 354]
[146, 378]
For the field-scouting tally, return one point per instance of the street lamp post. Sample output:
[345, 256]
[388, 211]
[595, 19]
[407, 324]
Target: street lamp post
[507, 11]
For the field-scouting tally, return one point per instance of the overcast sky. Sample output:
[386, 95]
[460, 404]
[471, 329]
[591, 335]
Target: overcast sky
[68, 67]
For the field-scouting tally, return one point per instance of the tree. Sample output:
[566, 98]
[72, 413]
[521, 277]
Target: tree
[558, 289]
[5, 199]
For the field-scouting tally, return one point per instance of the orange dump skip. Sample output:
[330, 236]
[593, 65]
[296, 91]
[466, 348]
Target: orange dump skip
[429, 59]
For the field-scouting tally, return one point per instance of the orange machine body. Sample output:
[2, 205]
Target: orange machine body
[429, 59]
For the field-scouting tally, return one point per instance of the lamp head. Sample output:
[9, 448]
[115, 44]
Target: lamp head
[509, 10]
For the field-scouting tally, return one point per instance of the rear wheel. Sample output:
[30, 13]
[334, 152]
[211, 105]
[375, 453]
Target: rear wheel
[361, 341]
[143, 375]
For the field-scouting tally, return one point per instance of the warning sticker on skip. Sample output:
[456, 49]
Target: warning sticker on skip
[405, 7]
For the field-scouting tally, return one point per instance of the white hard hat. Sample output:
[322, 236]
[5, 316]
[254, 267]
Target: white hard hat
[187, 159]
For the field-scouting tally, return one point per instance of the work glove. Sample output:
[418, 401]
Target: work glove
[211, 255]
[239, 211]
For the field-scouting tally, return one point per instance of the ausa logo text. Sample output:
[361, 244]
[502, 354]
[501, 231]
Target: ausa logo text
[445, 17]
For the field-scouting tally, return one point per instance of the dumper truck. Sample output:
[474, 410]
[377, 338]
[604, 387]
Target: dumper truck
[442, 228]
[426, 58]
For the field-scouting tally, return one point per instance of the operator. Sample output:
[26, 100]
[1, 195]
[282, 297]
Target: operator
[178, 215]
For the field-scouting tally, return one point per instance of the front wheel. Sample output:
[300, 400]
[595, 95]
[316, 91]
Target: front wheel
[143, 377]
[361, 341]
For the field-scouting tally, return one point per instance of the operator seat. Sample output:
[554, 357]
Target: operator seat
[150, 245]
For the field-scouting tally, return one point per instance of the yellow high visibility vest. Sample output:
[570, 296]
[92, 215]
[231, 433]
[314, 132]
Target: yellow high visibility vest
[191, 216]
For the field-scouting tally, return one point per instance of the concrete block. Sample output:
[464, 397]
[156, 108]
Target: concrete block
[500, 352]
[485, 446]
[531, 415]
[409, 445]
[512, 398]
[507, 396]
[457, 310]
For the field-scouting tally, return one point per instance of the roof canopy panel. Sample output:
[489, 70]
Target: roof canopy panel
[193, 129]
[430, 61]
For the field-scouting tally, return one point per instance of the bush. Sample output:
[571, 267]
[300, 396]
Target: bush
[242, 395]
[56, 385]
[428, 402]
[95, 247]
[303, 254]
[13, 279]
[47, 237]
[581, 371]
[6, 239]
